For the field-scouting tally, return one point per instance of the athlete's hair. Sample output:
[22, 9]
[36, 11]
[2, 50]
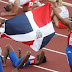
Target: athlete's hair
[7, 8]
[59, 2]
[44, 59]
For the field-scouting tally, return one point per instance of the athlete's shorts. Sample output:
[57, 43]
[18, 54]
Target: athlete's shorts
[14, 59]
[30, 62]
[30, 4]
[1, 66]
[61, 25]
[69, 54]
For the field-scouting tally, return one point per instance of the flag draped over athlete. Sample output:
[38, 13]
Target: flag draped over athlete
[33, 28]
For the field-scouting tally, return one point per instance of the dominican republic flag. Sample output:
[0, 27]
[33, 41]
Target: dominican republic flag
[33, 28]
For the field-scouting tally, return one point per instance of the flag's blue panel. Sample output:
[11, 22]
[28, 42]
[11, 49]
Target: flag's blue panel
[46, 40]
[18, 25]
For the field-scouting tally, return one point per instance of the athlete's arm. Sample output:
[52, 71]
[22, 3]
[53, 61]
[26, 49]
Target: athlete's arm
[16, 4]
[52, 14]
[19, 53]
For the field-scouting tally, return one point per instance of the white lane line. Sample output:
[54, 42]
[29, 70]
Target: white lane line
[61, 35]
[54, 51]
[4, 2]
[3, 18]
[45, 68]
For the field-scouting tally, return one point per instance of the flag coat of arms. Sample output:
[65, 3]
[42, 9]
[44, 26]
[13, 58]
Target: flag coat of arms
[33, 28]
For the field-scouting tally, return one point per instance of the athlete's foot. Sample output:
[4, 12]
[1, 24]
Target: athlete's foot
[15, 70]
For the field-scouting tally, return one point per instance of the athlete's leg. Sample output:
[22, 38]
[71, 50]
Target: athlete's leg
[8, 49]
[25, 58]
[69, 56]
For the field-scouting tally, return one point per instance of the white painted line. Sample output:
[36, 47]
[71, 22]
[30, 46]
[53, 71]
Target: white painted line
[3, 18]
[61, 35]
[54, 51]
[4, 2]
[45, 68]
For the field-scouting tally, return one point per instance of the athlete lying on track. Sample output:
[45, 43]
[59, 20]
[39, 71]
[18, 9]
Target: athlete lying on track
[21, 62]
[27, 6]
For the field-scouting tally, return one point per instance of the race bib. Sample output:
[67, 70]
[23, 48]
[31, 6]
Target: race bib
[30, 3]
[70, 40]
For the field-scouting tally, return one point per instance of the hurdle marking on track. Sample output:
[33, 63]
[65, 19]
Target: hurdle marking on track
[65, 3]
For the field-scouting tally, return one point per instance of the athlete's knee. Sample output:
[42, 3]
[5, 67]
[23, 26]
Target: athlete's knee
[8, 46]
[28, 53]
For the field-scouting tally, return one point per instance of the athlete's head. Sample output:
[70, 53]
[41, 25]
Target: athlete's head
[8, 7]
[58, 2]
[44, 59]
[41, 57]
